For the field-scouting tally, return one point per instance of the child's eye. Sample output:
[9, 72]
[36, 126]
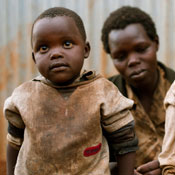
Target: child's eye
[43, 49]
[67, 44]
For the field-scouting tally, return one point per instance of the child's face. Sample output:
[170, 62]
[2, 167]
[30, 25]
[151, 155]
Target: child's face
[134, 54]
[59, 49]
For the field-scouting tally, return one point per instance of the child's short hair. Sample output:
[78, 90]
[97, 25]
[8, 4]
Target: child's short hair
[124, 16]
[61, 11]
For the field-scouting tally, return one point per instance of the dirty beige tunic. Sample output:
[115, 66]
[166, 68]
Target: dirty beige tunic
[63, 126]
[167, 156]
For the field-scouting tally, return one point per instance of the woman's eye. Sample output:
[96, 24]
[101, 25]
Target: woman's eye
[68, 44]
[141, 49]
[43, 49]
[120, 57]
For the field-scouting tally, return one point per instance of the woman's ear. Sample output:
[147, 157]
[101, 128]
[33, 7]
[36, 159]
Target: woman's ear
[157, 41]
[87, 50]
[33, 57]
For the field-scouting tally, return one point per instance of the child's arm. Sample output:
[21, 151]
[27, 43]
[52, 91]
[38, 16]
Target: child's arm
[124, 144]
[15, 134]
[14, 142]
[118, 125]
[12, 155]
[126, 164]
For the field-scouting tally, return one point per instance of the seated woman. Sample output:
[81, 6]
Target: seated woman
[129, 35]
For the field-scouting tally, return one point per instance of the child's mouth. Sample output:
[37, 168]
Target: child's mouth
[58, 67]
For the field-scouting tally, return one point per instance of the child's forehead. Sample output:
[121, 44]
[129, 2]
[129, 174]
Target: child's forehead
[58, 23]
[54, 20]
[57, 27]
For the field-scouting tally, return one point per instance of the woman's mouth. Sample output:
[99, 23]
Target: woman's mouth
[138, 74]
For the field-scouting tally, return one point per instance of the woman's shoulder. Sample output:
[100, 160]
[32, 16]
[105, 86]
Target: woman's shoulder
[169, 73]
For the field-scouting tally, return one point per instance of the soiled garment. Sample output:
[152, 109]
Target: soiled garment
[167, 156]
[149, 127]
[63, 125]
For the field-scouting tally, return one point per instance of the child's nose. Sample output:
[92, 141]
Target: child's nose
[56, 53]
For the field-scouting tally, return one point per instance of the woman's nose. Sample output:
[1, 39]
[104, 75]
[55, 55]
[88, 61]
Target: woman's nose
[133, 59]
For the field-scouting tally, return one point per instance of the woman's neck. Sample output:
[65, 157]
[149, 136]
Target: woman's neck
[147, 89]
[145, 93]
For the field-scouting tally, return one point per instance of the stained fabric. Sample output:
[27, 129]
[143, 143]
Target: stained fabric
[167, 156]
[63, 125]
[149, 127]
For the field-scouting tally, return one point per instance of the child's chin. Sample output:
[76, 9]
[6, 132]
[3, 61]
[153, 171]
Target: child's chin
[62, 83]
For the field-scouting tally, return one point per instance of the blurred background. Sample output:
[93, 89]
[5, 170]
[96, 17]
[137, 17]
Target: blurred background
[17, 16]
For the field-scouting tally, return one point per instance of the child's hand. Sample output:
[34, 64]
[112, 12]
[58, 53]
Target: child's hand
[150, 168]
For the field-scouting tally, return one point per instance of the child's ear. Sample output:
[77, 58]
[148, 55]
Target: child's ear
[87, 50]
[33, 57]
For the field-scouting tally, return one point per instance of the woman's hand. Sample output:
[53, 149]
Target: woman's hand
[150, 168]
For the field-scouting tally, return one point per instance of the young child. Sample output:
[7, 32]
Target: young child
[167, 156]
[56, 119]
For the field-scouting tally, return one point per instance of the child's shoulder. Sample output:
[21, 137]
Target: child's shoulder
[24, 85]
[103, 82]
[93, 78]
[19, 92]
[27, 86]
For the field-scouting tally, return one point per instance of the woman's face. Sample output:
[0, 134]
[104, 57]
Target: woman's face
[134, 54]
